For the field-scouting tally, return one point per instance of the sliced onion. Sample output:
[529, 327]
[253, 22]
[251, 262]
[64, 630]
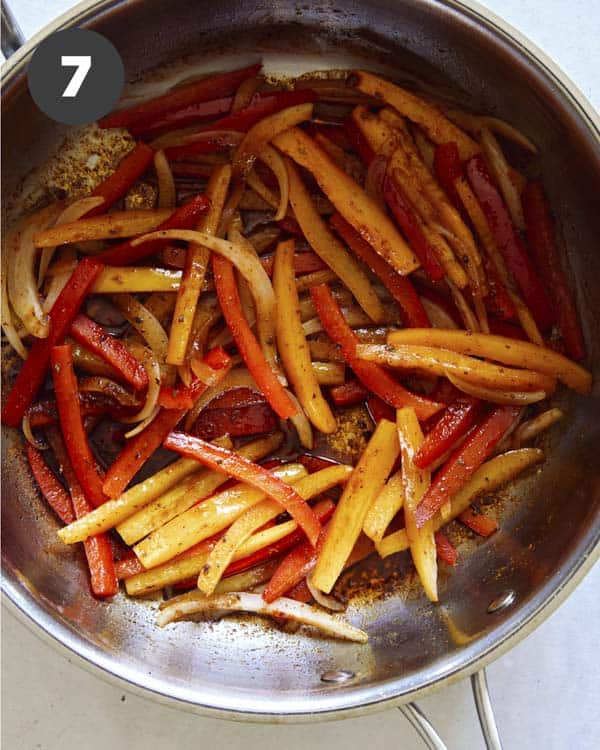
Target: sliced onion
[468, 316]
[8, 324]
[166, 183]
[354, 316]
[512, 398]
[438, 317]
[325, 600]
[501, 171]
[529, 430]
[474, 124]
[71, 213]
[375, 178]
[301, 423]
[59, 273]
[108, 387]
[21, 258]
[216, 606]
[274, 160]
[259, 187]
[245, 92]
[30, 437]
[143, 424]
[150, 363]
[239, 378]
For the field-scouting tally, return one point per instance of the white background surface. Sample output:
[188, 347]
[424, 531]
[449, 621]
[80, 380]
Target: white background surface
[546, 691]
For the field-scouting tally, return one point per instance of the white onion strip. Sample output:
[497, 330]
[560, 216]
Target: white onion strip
[166, 183]
[501, 171]
[60, 272]
[152, 366]
[216, 606]
[324, 600]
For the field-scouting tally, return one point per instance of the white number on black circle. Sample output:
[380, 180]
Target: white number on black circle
[83, 63]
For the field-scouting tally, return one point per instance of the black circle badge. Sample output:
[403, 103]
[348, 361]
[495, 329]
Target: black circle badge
[76, 76]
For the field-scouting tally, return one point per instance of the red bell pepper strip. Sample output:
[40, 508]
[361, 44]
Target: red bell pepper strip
[445, 549]
[185, 217]
[445, 392]
[323, 510]
[316, 463]
[54, 493]
[248, 414]
[359, 143]
[456, 421]
[71, 425]
[448, 168]
[246, 342]
[294, 567]
[130, 169]
[504, 328]
[97, 340]
[32, 374]
[401, 289]
[175, 397]
[372, 376]
[261, 105]
[497, 301]
[203, 90]
[509, 242]
[482, 525]
[540, 234]
[128, 566]
[44, 413]
[181, 118]
[379, 410]
[348, 394]
[304, 262]
[140, 447]
[229, 462]
[98, 548]
[403, 213]
[466, 459]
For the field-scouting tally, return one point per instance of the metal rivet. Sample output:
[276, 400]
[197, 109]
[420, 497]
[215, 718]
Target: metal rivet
[502, 601]
[337, 675]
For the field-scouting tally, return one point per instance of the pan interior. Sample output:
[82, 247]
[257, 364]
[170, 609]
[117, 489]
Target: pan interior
[548, 520]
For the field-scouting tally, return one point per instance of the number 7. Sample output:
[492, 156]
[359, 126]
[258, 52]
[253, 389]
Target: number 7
[83, 63]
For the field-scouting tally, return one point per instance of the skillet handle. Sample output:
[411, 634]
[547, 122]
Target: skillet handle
[12, 36]
[481, 695]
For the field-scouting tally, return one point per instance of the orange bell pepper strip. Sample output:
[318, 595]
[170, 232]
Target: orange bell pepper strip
[98, 549]
[71, 425]
[203, 90]
[446, 551]
[465, 460]
[540, 234]
[97, 340]
[401, 289]
[54, 493]
[63, 312]
[185, 217]
[373, 377]
[139, 448]
[246, 342]
[456, 421]
[482, 525]
[130, 169]
[228, 462]
[349, 393]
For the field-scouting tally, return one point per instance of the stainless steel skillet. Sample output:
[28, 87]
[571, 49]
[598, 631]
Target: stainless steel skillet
[550, 523]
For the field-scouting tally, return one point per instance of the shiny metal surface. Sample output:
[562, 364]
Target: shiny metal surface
[11, 36]
[481, 695]
[550, 521]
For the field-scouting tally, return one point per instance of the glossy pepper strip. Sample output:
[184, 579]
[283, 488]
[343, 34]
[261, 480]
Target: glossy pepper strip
[482, 525]
[203, 90]
[63, 312]
[44, 413]
[465, 460]
[246, 342]
[403, 213]
[448, 168]
[401, 288]
[372, 376]
[457, 420]
[54, 493]
[98, 549]
[294, 568]
[180, 118]
[71, 424]
[323, 510]
[185, 217]
[139, 448]
[130, 169]
[540, 234]
[349, 393]
[445, 549]
[509, 243]
[261, 106]
[97, 340]
[228, 462]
